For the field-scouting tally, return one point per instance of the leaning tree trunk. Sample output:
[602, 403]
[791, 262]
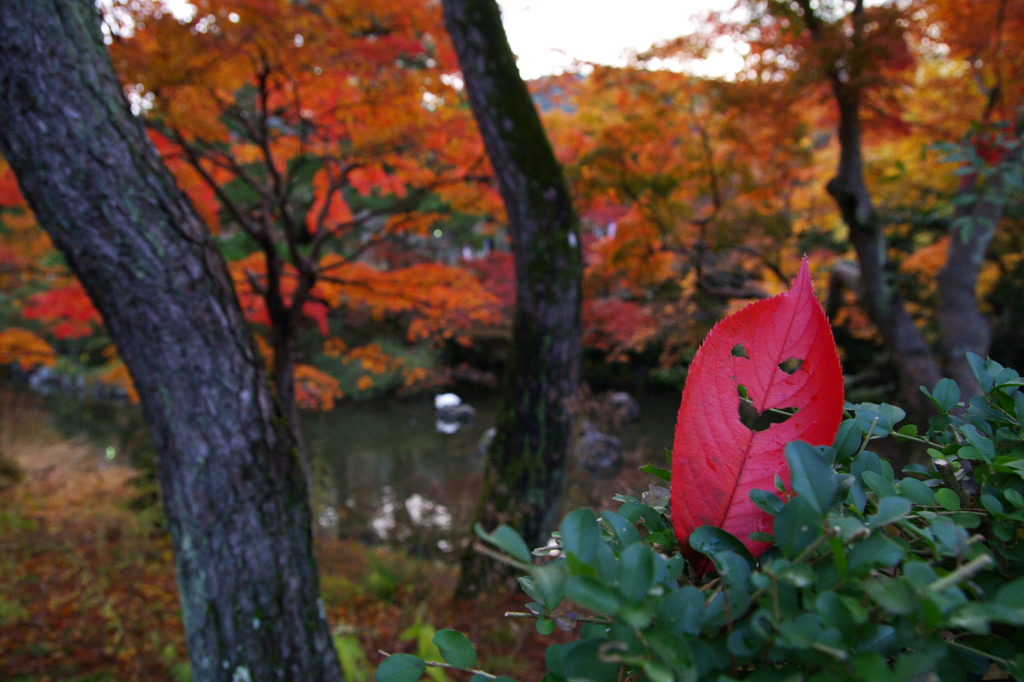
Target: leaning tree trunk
[911, 354]
[962, 325]
[524, 477]
[233, 490]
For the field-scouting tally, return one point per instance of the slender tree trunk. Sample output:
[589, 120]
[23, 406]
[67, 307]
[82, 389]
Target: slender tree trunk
[233, 489]
[962, 325]
[524, 477]
[911, 354]
[915, 363]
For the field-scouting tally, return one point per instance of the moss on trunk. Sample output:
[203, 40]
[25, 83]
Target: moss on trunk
[526, 469]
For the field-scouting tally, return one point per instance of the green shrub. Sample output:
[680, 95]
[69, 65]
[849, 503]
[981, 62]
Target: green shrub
[870, 576]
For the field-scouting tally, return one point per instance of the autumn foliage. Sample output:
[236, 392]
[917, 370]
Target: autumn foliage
[330, 149]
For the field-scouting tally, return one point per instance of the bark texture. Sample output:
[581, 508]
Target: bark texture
[524, 477]
[233, 490]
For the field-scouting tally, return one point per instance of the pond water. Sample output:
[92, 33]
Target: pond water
[383, 470]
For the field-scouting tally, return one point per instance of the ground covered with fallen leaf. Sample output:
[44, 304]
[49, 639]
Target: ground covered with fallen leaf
[89, 594]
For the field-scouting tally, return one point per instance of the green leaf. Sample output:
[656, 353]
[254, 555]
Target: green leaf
[682, 611]
[663, 474]
[580, 534]
[981, 372]
[550, 583]
[554, 659]
[709, 540]
[507, 539]
[848, 439]
[1014, 498]
[908, 430]
[400, 668]
[946, 395]
[947, 499]
[592, 594]
[455, 648]
[591, 660]
[676, 652]
[796, 526]
[529, 585]
[965, 519]
[545, 626]
[878, 484]
[849, 527]
[622, 529]
[811, 476]
[733, 568]
[876, 551]
[797, 575]
[890, 510]
[913, 666]
[1011, 595]
[895, 595]
[917, 492]
[891, 415]
[870, 665]
[636, 572]
[981, 443]
[950, 536]
[866, 461]
[726, 607]
[841, 612]
[992, 505]
[800, 633]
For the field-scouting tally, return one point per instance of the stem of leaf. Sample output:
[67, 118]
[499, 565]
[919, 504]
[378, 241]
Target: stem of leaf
[503, 558]
[835, 653]
[439, 664]
[867, 436]
[968, 570]
[964, 647]
[917, 439]
[581, 619]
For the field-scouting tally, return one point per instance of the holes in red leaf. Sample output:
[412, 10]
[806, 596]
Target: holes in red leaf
[791, 365]
[761, 421]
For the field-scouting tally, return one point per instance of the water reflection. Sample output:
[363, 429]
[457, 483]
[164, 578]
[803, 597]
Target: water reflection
[384, 471]
[394, 475]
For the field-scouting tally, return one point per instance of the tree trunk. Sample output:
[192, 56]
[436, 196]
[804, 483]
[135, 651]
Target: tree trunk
[524, 477]
[962, 325]
[233, 489]
[911, 354]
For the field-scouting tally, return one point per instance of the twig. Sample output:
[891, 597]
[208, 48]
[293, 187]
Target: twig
[581, 619]
[502, 558]
[968, 570]
[948, 477]
[439, 664]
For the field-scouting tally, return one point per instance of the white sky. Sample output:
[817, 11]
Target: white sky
[548, 35]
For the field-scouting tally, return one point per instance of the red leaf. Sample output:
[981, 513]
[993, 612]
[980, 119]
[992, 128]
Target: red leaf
[68, 311]
[716, 459]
